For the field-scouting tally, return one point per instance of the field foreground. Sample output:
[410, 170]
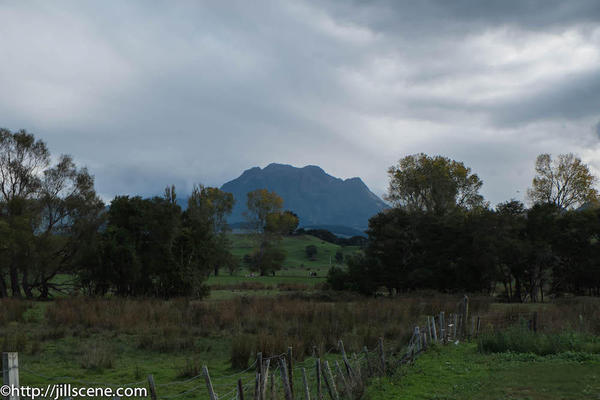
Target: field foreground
[463, 373]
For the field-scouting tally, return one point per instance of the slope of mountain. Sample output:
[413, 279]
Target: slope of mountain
[316, 197]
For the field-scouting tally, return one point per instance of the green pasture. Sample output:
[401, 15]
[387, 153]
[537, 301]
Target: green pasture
[462, 373]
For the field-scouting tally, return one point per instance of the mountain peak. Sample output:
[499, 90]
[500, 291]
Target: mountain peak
[315, 196]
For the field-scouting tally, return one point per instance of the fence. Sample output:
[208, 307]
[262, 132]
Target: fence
[333, 375]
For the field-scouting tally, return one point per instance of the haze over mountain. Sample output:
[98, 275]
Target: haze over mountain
[318, 198]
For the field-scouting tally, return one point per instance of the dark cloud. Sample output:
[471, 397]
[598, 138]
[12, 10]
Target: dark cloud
[148, 94]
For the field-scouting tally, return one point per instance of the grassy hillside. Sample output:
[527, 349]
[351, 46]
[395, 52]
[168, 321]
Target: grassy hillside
[294, 247]
[295, 274]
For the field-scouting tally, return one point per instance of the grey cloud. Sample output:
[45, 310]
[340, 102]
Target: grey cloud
[148, 94]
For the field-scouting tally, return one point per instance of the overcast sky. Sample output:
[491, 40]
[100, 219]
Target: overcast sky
[147, 93]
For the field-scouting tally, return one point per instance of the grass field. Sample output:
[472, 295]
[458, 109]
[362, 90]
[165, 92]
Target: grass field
[294, 275]
[118, 341]
[462, 373]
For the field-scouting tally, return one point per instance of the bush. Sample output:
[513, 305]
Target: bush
[241, 350]
[98, 357]
[311, 251]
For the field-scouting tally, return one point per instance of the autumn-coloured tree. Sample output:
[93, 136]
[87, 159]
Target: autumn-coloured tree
[435, 185]
[565, 182]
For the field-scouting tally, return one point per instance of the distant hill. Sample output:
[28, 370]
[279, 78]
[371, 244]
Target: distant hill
[317, 198]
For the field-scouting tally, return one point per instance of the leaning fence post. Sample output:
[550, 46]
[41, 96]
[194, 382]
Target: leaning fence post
[329, 382]
[10, 368]
[211, 392]
[318, 371]
[305, 382]
[478, 325]
[433, 330]
[345, 360]
[382, 356]
[152, 387]
[287, 390]
[347, 388]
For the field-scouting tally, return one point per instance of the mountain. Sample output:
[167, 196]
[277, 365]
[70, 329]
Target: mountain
[317, 198]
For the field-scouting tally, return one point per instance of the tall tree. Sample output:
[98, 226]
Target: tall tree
[436, 185]
[260, 204]
[51, 214]
[265, 217]
[565, 182]
[211, 206]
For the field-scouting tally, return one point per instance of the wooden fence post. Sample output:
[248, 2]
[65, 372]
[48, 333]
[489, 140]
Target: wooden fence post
[265, 378]
[305, 381]
[345, 360]
[273, 394]
[287, 390]
[329, 382]
[209, 386]
[152, 387]
[10, 372]
[429, 333]
[478, 326]
[442, 328]
[347, 388]
[240, 389]
[318, 371]
[290, 369]
[455, 327]
[465, 316]
[433, 330]
[382, 355]
[357, 368]
[417, 339]
[369, 369]
[257, 386]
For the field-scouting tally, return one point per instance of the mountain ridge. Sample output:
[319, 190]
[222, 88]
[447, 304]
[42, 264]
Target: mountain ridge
[315, 196]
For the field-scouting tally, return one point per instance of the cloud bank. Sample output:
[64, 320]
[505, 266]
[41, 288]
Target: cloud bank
[147, 94]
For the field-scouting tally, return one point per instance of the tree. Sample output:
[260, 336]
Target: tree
[339, 256]
[435, 185]
[565, 182]
[50, 215]
[210, 206]
[284, 223]
[311, 251]
[265, 217]
[151, 248]
[260, 204]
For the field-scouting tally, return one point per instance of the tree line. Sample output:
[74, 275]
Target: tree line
[56, 234]
[441, 234]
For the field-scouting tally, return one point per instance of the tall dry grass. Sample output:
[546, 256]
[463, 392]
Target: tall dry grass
[268, 324]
